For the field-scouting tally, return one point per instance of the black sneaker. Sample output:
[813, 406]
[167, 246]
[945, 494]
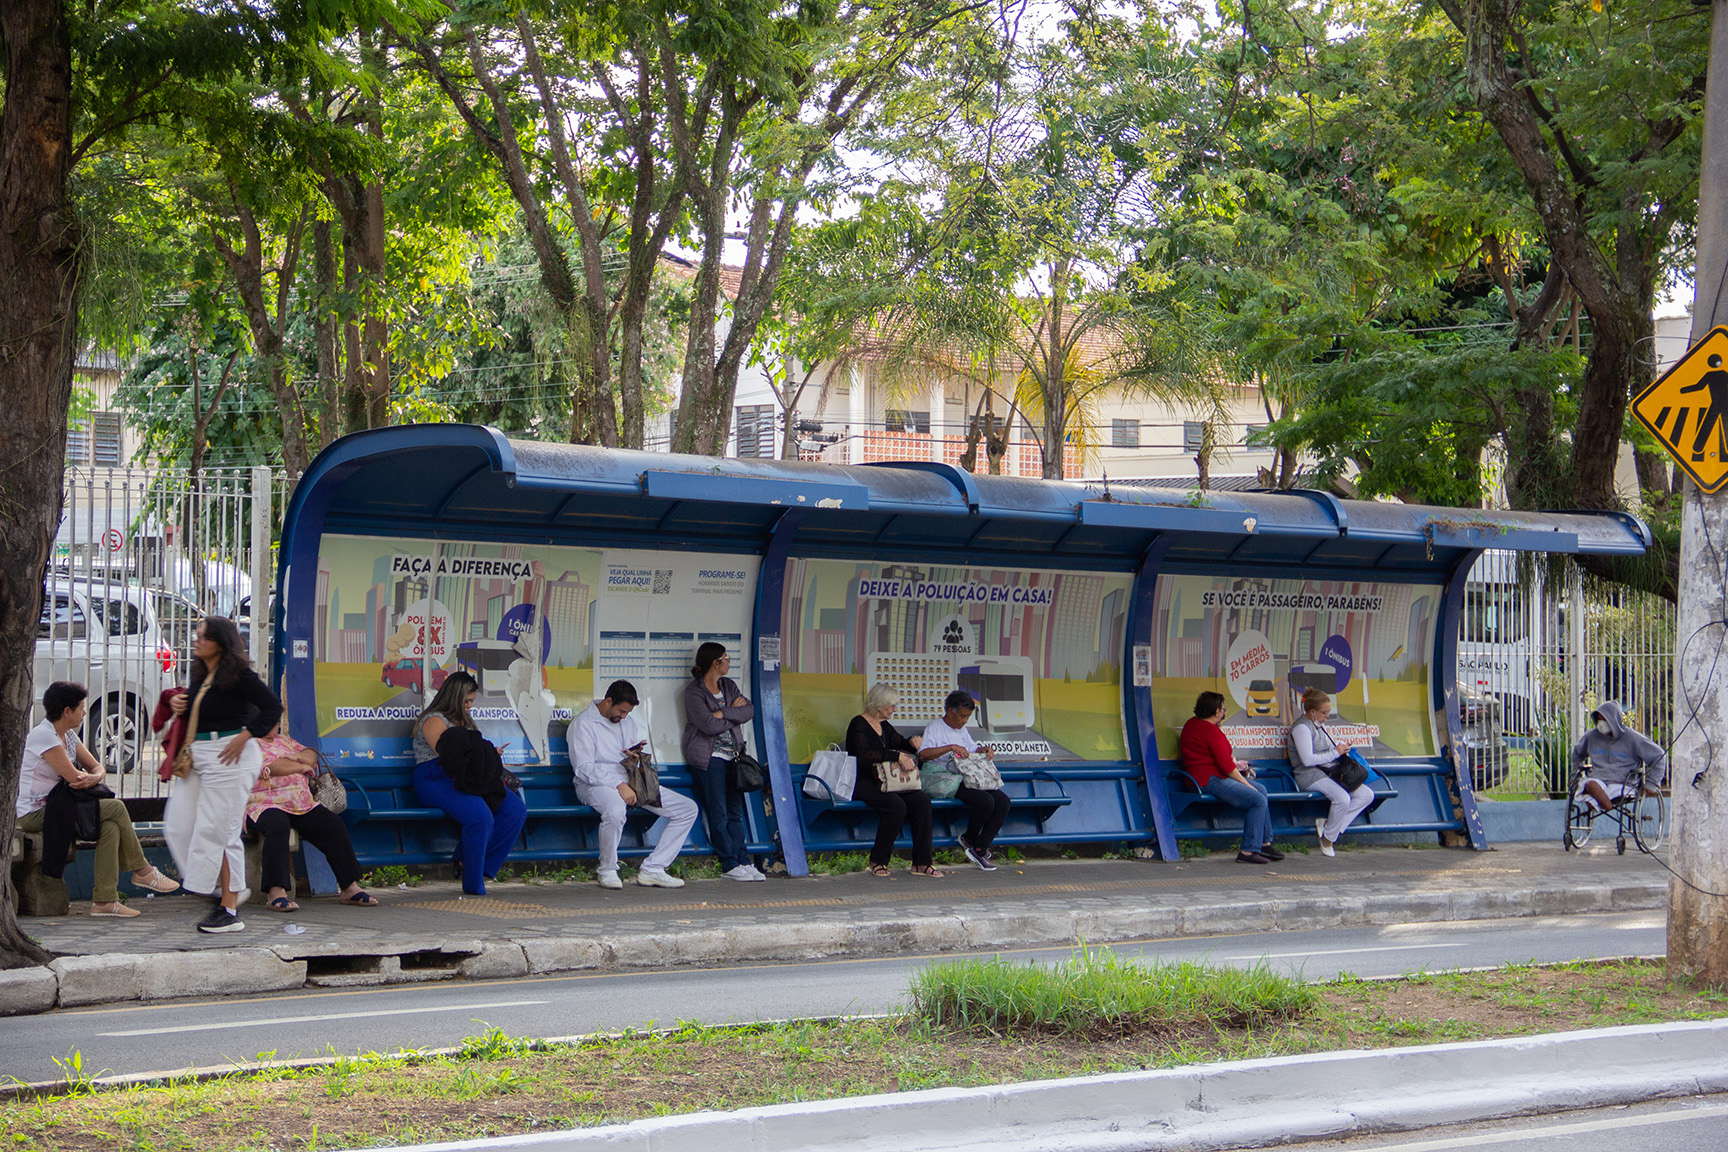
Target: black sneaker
[982, 859]
[1271, 853]
[221, 920]
[986, 861]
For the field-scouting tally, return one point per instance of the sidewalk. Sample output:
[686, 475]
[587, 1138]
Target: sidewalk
[433, 932]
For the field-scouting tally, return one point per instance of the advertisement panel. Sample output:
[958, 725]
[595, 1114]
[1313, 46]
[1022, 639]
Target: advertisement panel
[1039, 650]
[1261, 642]
[539, 627]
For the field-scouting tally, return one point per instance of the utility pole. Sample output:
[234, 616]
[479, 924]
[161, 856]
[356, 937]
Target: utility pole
[1698, 770]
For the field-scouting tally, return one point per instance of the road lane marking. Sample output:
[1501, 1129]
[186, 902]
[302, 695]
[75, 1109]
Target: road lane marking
[1478, 1138]
[1339, 951]
[326, 1016]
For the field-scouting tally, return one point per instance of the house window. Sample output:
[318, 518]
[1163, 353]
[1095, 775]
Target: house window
[1193, 435]
[1124, 433]
[755, 431]
[1253, 435]
[902, 420]
[105, 439]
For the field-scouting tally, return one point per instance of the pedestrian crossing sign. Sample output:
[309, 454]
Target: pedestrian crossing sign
[1687, 410]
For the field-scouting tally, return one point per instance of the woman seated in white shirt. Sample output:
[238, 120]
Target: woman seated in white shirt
[52, 753]
[1313, 754]
[989, 806]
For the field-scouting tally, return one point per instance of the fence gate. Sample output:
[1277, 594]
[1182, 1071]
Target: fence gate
[140, 558]
[1548, 646]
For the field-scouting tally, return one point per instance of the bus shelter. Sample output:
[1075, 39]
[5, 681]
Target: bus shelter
[1083, 621]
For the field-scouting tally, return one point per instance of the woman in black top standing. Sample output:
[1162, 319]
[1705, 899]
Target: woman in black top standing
[872, 740]
[208, 805]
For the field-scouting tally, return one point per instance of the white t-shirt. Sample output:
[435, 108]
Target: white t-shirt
[38, 776]
[937, 734]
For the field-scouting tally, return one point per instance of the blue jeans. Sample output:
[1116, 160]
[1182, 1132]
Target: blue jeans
[487, 836]
[1256, 814]
[722, 812]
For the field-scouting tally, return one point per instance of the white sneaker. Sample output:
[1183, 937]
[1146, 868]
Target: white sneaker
[743, 873]
[657, 878]
[760, 875]
[608, 878]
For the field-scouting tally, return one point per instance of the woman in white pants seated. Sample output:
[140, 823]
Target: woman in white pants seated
[1312, 755]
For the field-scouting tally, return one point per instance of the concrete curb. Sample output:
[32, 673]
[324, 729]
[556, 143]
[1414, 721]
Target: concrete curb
[77, 981]
[1210, 1106]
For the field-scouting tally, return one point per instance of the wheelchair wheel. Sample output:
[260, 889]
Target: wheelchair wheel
[1650, 822]
[1578, 819]
[1620, 845]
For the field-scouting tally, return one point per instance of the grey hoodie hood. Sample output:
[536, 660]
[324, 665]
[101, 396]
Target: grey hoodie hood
[1611, 711]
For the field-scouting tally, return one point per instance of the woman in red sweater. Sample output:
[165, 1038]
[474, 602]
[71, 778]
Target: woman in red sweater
[1208, 757]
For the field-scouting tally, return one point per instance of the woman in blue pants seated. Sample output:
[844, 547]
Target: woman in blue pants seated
[1208, 757]
[487, 835]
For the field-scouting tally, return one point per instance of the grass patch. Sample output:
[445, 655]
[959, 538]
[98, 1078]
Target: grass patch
[1098, 994]
[498, 1085]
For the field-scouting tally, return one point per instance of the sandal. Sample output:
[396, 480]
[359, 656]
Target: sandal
[282, 904]
[880, 871]
[360, 899]
[929, 872]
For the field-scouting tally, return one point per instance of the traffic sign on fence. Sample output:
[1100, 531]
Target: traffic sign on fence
[1687, 410]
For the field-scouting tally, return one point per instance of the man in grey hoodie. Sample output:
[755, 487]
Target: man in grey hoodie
[1616, 753]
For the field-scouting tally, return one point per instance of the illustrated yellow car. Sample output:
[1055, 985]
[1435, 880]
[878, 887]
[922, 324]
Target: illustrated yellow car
[1262, 699]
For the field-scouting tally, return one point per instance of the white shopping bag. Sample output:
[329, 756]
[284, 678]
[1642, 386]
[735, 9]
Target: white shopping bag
[832, 773]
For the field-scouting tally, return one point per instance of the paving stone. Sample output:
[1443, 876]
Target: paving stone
[24, 991]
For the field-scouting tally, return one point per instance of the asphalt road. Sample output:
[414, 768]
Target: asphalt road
[1695, 1124]
[136, 1038]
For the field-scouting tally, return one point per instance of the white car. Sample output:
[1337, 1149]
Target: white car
[104, 635]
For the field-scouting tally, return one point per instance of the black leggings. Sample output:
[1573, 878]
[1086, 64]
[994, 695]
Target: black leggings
[894, 809]
[989, 810]
[321, 828]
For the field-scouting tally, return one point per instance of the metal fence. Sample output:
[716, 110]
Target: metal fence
[1547, 643]
[140, 558]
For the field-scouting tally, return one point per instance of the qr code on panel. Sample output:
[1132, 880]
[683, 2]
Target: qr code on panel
[662, 581]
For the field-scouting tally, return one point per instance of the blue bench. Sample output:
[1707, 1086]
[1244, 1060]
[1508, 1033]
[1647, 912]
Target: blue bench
[1282, 795]
[389, 825]
[1037, 804]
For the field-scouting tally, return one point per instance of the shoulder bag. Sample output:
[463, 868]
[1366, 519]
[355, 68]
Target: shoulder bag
[894, 776]
[183, 758]
[327, 789]
[745, 774]
[978, 772]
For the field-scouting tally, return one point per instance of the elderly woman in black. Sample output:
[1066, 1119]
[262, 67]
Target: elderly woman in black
[874, 742]
[233, 709]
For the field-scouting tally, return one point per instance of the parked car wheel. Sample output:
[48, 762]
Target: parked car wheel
[116, 727]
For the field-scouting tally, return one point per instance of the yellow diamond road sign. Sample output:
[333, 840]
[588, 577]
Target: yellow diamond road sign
[1687, 410]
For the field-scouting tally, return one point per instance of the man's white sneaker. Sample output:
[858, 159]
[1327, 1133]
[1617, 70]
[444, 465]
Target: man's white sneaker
[760, 875]
[608, 878]
[657, 878]
[743, 873]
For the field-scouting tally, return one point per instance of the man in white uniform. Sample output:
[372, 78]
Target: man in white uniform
[598, 740]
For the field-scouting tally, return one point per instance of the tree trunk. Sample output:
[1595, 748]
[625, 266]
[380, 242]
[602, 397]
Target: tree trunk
[1055, 381]
[324, 333]
[42, 269]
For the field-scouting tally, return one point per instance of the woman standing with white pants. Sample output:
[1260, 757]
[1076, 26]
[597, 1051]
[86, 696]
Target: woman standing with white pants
[205, 813]
[1312, 752]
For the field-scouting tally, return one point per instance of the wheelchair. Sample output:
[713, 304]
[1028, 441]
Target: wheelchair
[1643, 818]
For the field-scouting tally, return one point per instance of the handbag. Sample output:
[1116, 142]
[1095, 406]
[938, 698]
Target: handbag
[327, 789]
[183, 758]
[939, 778]
[979, 773]
[1349, 772]
[745, 774]
[833, 774]
[896, 777]
[639, 773]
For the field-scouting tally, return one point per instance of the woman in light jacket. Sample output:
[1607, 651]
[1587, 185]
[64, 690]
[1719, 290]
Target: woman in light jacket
[715, 713]
[1311, 751]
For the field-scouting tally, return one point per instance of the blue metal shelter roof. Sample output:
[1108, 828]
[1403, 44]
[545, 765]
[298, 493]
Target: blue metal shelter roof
[460, 480]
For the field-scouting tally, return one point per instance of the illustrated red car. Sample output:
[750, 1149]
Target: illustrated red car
[406, 674]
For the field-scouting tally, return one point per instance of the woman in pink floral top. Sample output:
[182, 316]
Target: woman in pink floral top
[281, 800]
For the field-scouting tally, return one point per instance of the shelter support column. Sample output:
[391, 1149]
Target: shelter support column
[765, 690]
[1138, 694]
[1445, 694]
